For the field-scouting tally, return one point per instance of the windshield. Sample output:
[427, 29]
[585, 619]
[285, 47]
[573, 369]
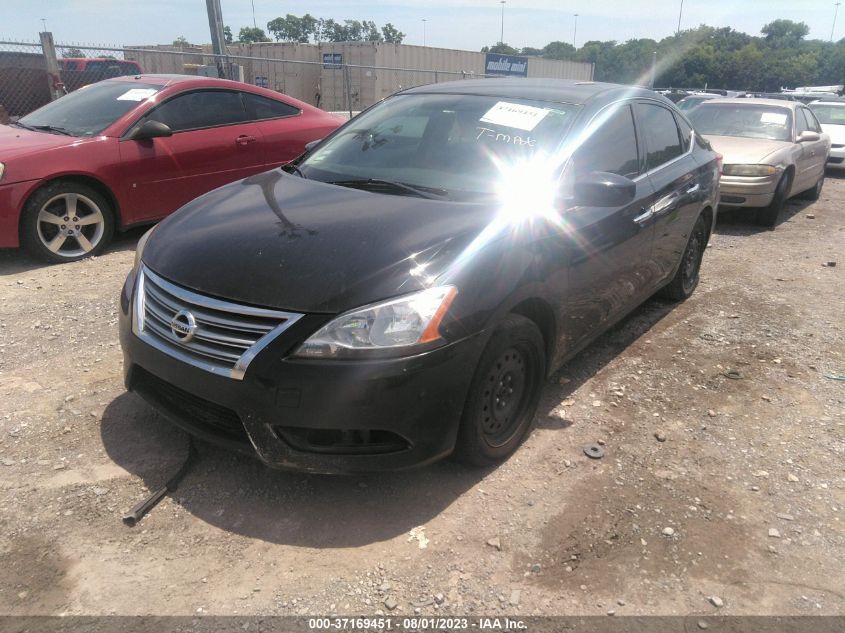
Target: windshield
[90, 110]
[747, 121]
[454, 144]
[829, 114]
[688, 103]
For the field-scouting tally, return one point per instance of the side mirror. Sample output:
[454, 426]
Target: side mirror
[312, 144]
[149, 130]
[807, 136]
[603, 189]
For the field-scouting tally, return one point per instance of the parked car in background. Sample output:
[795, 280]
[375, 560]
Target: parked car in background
[772, 150]
[694, 100]
[831, 115]
[131, 150]
[415, 277]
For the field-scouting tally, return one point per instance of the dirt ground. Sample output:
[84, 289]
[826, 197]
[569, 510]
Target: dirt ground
[741, 505]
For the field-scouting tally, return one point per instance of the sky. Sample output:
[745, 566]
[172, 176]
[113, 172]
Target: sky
[463, 24]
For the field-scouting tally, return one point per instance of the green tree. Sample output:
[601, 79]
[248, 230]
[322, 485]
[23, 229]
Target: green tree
[501, 49]
[785, 33]
[292, 28]
[391, 34]
[181, 42]
[227, 34]
[73, 52]
[248, 35]
[559, 50]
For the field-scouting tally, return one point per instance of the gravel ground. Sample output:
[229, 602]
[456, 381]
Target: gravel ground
[721, 490]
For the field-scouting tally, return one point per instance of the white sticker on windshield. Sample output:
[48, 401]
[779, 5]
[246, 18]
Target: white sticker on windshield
[516, 115]
[137, 94]
[773, 117]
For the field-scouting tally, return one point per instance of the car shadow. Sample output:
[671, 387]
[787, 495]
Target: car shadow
[587, 363]
[240, 495]
[742, 221]
[16, 260]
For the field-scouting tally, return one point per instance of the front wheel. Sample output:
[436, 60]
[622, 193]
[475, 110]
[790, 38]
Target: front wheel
[65, 222]
[769, 216]
[504, 394]
[684, 282]
[816, 192]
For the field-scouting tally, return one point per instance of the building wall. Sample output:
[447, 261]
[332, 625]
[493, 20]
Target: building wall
[376, 70]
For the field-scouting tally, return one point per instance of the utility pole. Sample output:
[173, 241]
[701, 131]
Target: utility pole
[502, 36]
[423, 21]
[253, 15]
[575, 31]
[680, 13]
[835, 12]
[218, 39]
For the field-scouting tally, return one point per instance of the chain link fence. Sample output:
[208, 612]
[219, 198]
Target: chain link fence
[334, 81]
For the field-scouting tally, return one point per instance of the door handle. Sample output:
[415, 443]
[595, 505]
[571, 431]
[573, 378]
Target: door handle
[644, 216]
[694, 189]
[245, 139]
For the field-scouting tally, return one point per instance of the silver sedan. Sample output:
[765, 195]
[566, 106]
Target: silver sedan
[772, 150]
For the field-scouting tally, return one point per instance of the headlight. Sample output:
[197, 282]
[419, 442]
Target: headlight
[2, 169]
[749, 170]
[139, 249]
[397, 327]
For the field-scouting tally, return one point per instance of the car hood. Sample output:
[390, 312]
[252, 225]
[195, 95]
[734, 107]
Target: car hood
[745, 151]
[836, 132]
[280, 241]
[16, 142]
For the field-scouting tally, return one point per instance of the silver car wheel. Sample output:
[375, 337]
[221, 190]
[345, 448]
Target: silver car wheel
[70, 225]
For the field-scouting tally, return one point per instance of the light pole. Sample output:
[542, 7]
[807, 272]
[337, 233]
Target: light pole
[423, 21]
[575, 31]
[835, 11]
[502, 36]
[254, 24]
[680, 13]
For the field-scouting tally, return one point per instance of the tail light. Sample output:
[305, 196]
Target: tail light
[719, 159]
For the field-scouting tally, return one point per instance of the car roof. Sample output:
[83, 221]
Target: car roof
[841, 103]
[558, 90]
[780, 103]
[173, 79]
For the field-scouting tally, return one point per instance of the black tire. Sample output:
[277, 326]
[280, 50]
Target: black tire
[43, 226]
[685, 281]
[504, 393]
[770, 215]
[815, 192]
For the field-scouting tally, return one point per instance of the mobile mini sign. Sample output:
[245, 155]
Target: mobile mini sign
[506, 65]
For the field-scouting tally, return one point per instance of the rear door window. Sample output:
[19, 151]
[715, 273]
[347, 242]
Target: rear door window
[261, 108]
[660, 132]
[201, 109]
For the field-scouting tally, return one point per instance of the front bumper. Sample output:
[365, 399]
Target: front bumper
[745, 191]
[309, 415]
[836, 158]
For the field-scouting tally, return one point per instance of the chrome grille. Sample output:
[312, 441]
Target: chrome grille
[214, 335]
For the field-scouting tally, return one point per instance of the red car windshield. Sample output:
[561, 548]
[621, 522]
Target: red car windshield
[89, 110]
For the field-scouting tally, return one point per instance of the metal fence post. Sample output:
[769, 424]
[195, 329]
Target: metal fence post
[54, 80]
[347, 81]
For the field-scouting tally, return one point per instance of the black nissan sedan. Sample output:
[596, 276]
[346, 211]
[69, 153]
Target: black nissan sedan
[401, 291]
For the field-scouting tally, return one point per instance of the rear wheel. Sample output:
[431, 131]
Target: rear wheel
[504, 394]
[769, 216]
[66, 222]
[684, 282]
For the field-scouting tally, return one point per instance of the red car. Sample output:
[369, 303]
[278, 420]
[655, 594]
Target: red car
[131, 150]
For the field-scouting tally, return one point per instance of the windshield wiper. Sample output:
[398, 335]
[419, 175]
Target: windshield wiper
[432, 193]
[51, 128]
[290, 167]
